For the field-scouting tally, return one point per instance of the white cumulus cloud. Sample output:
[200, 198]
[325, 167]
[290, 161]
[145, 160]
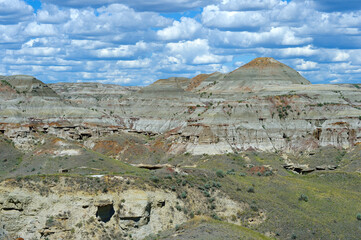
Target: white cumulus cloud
[196, 52]
[35, 30]
[14, 11]
[186, 28]
[306, 65]
[236, 5]
[212, 16]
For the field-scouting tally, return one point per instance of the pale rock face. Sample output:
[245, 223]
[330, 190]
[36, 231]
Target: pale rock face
[67, 152]
[211, 149]
[136, 212]
[62, 213]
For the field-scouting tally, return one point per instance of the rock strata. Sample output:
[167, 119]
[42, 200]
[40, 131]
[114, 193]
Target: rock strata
[263, 105]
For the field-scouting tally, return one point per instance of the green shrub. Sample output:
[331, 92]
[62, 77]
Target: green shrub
[154, 179]
[254, 207]
[206, 193]
[358, 216]
[184, 194]
[220, 173]
[216, 185]
[50, 222]
[177, 227]
[231, 172]
[79, 225]
[178, 207]
[303, 197]
[250, 190]
[215, 216]
[268, 173]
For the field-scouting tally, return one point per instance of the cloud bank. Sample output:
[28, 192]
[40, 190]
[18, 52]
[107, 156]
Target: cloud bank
[137, 42]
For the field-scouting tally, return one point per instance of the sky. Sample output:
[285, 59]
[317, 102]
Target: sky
[136, 42]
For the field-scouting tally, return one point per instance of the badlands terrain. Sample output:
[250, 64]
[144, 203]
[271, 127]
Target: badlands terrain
[258, 153]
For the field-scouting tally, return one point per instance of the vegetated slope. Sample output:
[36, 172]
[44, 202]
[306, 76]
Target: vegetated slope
[208, 229]
[252, 190]
[52, 155]
[10, 157]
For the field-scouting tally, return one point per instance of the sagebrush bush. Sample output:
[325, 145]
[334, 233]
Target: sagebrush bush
[184, 194]
[303, 197]
[250, 190]
[220, 173]
[216, 217]
[154, 179]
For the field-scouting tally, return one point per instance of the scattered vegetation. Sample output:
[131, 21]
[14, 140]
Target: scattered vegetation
[6, 83]
[283, 111]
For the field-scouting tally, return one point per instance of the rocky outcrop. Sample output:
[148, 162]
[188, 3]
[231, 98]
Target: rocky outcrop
[59, 210]
[129, 214]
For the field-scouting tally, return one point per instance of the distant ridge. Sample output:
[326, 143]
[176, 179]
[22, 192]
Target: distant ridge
[253, 75]
[266, 70]
[29, 85]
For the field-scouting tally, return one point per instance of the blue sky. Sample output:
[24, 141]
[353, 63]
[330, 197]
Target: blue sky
[135, 42]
